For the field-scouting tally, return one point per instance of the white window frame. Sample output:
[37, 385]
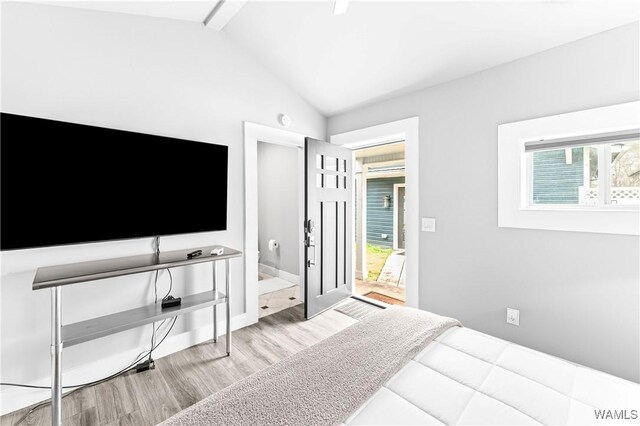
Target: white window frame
[514, 207]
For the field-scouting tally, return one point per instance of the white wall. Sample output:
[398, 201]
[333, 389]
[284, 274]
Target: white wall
[278, 206]
[142, 74]
[578, 293]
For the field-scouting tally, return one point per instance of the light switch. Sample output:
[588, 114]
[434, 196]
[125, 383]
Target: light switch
[429, 224]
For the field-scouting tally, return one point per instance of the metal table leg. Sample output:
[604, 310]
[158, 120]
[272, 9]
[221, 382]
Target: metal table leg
[215, 307]
[226, 261]
[56, 356]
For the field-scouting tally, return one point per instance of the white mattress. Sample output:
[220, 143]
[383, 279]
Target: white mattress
[467, 377]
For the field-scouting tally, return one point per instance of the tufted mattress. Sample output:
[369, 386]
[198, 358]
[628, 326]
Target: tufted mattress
[467, 377]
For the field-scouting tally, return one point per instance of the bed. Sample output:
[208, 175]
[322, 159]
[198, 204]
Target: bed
[405, 366]
[468, 377]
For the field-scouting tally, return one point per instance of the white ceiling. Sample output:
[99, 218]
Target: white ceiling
[388, 148]
[381, 49]
[185, 10]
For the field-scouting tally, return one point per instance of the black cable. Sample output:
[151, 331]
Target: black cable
[155, 287]
[139, 357]
[153, 337]
[113, 376]
[42, 404]
[89, 384]
[165, 336]
[119, 373]
[153, 326]
[19, 385]
[170, 285]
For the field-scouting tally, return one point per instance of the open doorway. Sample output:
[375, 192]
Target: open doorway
[278, 222]
[380, 217]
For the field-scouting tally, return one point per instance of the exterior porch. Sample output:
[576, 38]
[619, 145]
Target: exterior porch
[380, 223]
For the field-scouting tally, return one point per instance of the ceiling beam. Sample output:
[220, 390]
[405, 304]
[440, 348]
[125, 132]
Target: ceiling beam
[340, 7]
[222, 13]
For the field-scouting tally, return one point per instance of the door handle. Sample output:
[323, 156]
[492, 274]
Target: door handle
[309, 226]
[311, 243]
[312, 262]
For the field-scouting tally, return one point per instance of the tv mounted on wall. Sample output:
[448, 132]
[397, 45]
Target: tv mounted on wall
[65, 183]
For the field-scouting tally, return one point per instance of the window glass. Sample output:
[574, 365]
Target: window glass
[625, 173]
[330, 163]
[588, 193]
[330, 181]
[558, 175]
[577, 175]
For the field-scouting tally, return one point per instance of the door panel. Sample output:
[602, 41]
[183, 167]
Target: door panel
[328, 234]
[327, 226]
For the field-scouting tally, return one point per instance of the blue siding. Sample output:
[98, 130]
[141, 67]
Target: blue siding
[379, 218]
[554, 181]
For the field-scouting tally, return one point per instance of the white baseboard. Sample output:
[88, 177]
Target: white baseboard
[12, 398]
[287, 276]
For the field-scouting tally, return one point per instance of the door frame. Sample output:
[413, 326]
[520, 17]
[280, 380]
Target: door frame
[254, 133]
[406, 130]
[396, 206]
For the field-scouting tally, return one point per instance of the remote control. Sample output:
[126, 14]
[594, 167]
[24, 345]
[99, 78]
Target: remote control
[193, 254]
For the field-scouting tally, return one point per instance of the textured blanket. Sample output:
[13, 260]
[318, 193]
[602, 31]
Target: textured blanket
[325, 383]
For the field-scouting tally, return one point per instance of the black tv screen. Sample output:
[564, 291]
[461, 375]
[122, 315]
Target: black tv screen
[64, 183]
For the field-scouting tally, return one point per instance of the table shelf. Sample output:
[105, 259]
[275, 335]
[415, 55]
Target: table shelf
[57, 277]
[83, 272]
[94, 328]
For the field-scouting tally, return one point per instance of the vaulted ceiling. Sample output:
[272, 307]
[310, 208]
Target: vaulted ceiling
[380, 49]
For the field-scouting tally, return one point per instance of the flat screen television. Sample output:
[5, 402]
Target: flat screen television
[65, 183]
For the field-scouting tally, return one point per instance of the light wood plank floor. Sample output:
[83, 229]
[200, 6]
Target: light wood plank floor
[184, 378]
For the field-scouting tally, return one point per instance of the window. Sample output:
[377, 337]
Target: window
[549, 178]
[594, 171]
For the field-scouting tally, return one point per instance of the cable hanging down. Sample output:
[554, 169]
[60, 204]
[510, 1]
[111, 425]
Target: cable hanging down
[133, 366]
[125, 370]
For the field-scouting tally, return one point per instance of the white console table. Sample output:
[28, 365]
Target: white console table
[56, 277]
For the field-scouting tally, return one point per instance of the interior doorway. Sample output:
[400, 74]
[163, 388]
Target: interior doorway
[380, 217]
[279, 204]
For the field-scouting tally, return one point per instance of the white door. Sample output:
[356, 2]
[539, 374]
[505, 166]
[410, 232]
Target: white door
[328, 233]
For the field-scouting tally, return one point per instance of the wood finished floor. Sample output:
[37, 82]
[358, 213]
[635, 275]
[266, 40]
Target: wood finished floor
[186, 377]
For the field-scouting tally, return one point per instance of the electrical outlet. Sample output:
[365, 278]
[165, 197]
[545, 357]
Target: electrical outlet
[513, 316]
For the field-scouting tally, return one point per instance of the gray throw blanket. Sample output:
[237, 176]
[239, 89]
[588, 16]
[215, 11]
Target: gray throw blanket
[325, 383]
